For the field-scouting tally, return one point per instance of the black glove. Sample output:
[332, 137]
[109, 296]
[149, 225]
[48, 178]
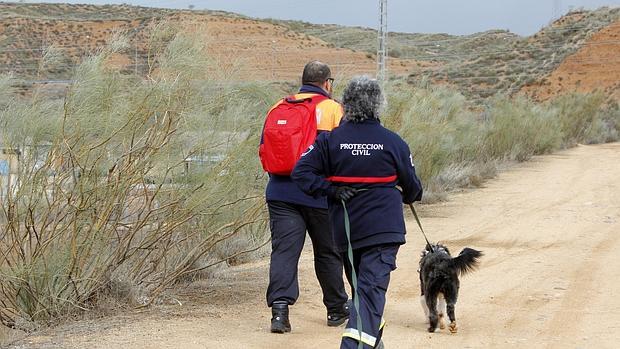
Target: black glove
[341, 193]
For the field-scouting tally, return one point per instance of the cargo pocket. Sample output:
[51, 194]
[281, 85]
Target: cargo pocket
[387, 263]
[388, 256]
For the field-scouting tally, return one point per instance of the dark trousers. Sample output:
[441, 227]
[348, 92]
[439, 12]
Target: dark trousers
[373, 266]
[289, 223]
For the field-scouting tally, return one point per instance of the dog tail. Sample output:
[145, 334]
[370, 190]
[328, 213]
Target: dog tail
[467, 260]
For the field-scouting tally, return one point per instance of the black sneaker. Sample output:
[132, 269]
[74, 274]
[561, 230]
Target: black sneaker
[279, 318]
[337, 318]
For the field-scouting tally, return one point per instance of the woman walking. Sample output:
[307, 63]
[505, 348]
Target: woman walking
[362, 163]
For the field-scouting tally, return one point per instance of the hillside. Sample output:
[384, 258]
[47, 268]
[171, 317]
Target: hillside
[491, 69]
[241, 48]
[595, 66]
[247, 49]
[424, 47]
[481, 64]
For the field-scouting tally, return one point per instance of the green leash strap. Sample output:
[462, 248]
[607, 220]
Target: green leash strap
[356, 300]
[415, 215]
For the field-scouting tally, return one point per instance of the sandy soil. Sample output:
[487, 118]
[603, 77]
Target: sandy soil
[549, 278]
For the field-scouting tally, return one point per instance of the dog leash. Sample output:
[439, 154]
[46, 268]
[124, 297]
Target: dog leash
[356, 300]
[417, 219]
[347, 229]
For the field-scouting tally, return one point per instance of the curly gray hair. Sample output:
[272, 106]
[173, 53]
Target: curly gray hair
[362, 99]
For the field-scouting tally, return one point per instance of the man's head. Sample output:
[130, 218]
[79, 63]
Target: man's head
[362, 99]
[318, 74]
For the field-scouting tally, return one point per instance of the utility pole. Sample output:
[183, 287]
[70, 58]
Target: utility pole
[557, 9]
[382, 47]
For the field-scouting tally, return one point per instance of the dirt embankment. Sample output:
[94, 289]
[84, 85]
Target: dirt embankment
[242, 49]
[257, 50]
[548, 229]
[596, 66]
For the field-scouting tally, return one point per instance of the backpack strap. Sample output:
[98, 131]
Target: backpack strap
[292, 100]
[318, 98]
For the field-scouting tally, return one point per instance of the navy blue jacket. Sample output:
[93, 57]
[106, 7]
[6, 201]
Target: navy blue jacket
[364, 156]
[282, 188]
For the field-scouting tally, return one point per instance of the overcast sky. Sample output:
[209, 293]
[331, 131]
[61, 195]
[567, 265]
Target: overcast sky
[460, 17]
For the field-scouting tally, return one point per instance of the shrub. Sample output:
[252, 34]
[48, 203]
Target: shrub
[109, 195]
[517, 129]
[455, 146]
[578, 116]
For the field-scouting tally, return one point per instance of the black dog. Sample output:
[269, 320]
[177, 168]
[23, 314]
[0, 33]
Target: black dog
[439, 281]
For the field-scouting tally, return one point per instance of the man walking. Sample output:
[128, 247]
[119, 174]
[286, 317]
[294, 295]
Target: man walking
[292, 213]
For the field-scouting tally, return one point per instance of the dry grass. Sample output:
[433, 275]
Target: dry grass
[455, 146]
[118, 193]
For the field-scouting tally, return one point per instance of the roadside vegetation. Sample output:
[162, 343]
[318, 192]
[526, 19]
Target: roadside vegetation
[456, 146]
[130, 185]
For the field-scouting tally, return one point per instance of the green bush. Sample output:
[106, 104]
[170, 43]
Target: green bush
[579, 117]
[517, 129]
[455, 145]
[128, 183]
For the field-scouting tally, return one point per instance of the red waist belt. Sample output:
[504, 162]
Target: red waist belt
[346, 179]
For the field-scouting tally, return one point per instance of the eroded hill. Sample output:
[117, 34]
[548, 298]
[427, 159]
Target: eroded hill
[576, 52]
[242, 48]
[483, 64]
[594, 67]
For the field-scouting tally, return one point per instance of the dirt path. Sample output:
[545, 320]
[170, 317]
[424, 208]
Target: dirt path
[549, 278]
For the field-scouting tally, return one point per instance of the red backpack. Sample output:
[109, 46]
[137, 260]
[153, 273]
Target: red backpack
[290, 128]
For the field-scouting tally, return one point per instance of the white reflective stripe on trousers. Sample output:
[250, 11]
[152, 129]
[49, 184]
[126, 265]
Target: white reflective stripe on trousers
[355, 334]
